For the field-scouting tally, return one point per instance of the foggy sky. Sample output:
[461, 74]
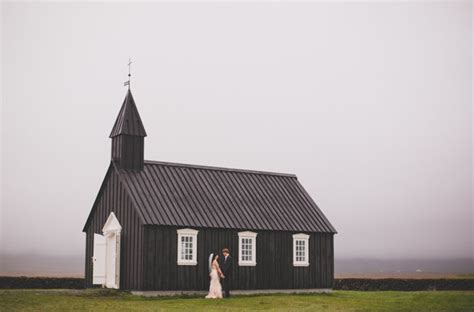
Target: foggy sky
[370, 105]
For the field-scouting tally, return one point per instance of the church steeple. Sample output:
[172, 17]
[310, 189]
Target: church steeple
[128, 136]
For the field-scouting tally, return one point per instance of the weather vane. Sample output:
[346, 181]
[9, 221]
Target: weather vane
[127, 83]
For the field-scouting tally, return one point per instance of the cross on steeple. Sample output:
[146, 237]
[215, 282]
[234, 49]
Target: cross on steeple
[127, 83]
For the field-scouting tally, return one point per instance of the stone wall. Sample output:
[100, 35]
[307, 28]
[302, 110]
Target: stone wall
[402, 284]
[41, 282]
[362, 284]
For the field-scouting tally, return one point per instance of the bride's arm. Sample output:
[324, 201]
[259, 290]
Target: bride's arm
[219, 269]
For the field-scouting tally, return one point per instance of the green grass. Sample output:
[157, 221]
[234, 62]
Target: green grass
[100, 300]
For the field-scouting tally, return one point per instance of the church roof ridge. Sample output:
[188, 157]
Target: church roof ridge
[205, 167]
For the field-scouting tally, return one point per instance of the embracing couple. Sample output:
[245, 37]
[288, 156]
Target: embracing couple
[221, 270]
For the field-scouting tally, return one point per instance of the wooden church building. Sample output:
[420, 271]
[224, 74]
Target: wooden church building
[154, 224]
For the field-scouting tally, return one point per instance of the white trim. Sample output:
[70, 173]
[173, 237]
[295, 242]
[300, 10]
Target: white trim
[112, 225]
[190, 233]
[187, 231]
[300, 236]
[253, 238]
[111, 253]
[305, 239]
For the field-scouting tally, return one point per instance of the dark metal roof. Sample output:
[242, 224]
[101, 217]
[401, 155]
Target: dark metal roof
[128, 120]
[199, 196]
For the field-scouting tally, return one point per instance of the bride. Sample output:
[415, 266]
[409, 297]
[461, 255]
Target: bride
[215, 289]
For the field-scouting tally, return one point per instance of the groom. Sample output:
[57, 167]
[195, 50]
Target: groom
[226, 268]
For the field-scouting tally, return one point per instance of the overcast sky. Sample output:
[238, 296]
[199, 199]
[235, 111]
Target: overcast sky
[370, 105]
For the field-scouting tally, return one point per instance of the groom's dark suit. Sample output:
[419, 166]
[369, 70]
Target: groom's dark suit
[226, 268]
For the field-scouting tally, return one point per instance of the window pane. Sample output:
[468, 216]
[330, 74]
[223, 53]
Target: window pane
[246, 245]
[300, 250]
[187, 247]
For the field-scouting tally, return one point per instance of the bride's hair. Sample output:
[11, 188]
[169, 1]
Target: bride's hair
[215, 256]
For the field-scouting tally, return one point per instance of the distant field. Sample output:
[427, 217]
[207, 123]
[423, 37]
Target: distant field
[405, 275]
[46, 265]
[106, 300]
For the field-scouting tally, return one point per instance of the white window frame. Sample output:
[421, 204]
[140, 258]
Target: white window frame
[305, 239]
[253, 238]
[187, 233]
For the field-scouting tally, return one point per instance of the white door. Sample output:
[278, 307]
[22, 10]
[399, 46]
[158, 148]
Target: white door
[112, 230]
[112, 260]
[98, 260]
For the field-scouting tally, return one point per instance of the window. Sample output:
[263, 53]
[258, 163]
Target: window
[300, 250]
[187, 247]
[247, 249]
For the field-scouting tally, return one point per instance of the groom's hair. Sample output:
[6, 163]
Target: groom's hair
[225, 250]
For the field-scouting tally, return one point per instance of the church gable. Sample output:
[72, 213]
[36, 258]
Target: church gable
[114, 197]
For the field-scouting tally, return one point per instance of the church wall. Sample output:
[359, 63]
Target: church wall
[274, 268]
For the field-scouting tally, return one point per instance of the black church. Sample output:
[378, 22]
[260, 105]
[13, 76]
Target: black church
[153, 224]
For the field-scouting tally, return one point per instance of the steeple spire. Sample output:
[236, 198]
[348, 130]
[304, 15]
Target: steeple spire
[128, 136]
[128, 120]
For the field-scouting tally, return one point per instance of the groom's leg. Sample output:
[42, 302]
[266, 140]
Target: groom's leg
[224, 286]
[227, 286]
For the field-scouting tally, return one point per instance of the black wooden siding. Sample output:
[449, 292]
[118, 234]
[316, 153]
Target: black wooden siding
[113, 198]
[148, 252]
[274, 269]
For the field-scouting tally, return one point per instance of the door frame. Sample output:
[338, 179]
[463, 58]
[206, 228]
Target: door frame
[112, 231]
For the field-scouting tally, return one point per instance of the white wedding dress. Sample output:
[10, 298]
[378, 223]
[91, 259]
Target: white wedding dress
[215, 289]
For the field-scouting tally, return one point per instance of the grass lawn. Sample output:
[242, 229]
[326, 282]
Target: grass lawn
[100, 300]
